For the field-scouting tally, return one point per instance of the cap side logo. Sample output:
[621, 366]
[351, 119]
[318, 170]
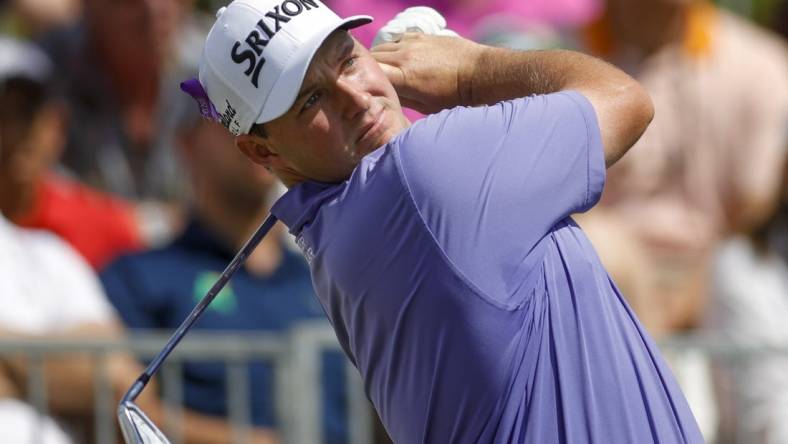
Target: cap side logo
[258, 38]
[228, 118]
[194, 88]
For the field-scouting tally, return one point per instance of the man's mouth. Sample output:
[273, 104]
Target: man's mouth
[371, 128]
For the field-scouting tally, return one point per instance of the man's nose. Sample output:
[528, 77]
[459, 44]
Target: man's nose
[356, 99]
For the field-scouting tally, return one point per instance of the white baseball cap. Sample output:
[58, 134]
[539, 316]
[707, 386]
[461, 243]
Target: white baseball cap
[256, 56]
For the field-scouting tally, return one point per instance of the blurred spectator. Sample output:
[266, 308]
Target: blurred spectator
[707, 167]
[749, 305]
[158, 288]
[97, 225]
[709, 164]
[33, 18]
[48, 290]
[50, 293]
[120, 68]
[31, 195]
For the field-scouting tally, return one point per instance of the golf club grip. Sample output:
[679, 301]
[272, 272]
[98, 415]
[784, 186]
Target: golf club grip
[176, 337]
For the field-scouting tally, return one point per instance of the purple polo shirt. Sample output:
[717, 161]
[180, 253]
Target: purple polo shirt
[473, 306]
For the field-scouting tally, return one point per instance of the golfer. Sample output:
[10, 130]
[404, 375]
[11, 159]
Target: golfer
[444, 252]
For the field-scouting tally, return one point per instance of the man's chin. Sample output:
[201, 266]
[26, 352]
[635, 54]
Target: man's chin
[383, 138]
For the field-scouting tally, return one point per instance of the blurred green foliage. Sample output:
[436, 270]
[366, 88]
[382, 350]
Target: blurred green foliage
[762, 11]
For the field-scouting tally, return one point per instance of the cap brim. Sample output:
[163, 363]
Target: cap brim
[355, 21]
[285, 90]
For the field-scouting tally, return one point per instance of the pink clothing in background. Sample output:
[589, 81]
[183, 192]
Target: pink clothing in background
[464, 16]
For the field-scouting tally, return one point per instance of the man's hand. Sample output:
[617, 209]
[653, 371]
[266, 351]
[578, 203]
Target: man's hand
[429, 73]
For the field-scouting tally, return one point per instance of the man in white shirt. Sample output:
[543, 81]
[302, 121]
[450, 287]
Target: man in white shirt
[47, 290]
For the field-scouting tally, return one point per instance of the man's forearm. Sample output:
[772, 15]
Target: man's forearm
[497, 74]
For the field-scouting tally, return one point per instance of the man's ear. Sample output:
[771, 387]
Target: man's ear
[257, 149]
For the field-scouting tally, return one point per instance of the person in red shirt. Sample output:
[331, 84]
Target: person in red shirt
[98, 226]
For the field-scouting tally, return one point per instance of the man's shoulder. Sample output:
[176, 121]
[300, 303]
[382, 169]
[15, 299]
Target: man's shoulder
[371, 184]
[449, 155]
[344, 222]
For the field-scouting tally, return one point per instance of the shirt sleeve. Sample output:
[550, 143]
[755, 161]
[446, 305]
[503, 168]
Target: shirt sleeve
[490, 182]
[78, 284]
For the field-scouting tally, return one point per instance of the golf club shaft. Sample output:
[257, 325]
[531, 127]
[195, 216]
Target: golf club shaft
[176, 337]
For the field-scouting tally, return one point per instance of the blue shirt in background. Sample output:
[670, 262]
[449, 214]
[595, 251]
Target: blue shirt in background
[159, 288]
[474, 307]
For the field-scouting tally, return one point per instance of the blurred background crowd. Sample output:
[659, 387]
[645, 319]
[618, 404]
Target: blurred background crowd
[120, 205]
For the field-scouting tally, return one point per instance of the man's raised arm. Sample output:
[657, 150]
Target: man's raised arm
[431, 73]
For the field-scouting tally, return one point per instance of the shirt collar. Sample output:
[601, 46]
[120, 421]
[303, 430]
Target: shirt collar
[300, 204]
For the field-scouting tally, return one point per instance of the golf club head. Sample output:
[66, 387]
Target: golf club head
[138, 428]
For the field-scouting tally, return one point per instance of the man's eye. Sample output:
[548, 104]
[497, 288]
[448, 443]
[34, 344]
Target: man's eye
[350, 61]
[311, 101]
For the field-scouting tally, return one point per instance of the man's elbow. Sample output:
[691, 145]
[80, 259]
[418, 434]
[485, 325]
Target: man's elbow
[633, 113]
[642, 108]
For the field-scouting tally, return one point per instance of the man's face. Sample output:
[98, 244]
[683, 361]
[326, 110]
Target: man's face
[30, 141]
[346, 108]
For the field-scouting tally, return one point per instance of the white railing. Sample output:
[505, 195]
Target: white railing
[295, 357]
